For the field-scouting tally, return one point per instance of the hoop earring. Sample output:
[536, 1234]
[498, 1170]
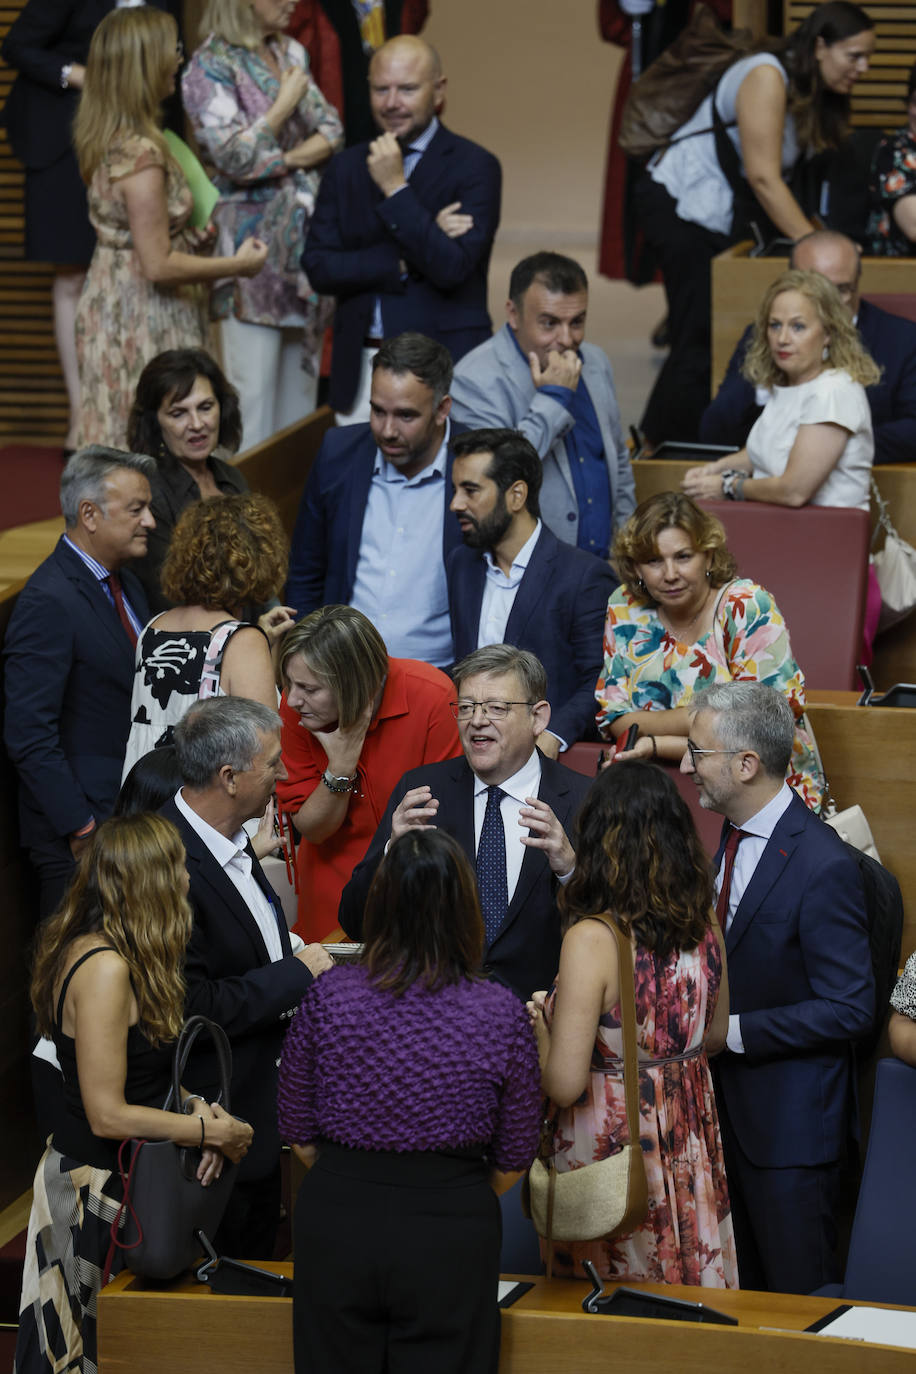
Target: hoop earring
[641, 586]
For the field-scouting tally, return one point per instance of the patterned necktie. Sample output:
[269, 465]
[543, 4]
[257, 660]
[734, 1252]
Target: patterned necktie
[117, 592]
[492, 883]
[735, 837]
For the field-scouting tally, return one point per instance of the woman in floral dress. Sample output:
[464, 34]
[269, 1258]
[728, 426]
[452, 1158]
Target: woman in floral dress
[681, 621]
[891, 231]
[144, 289]
[264, 123]
[639, 862]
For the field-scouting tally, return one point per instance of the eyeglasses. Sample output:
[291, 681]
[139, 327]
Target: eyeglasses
[492, 710]
[696, 753]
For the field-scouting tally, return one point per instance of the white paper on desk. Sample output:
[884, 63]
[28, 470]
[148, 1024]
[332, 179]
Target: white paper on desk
[880, 1325]
[505, 1287]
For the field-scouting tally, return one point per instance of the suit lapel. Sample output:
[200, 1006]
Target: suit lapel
[554, 792]
[429, 170]
[519, 376]
[110, 628]
[276, 906]
[359, 486]
[779, 849]
[530, 592]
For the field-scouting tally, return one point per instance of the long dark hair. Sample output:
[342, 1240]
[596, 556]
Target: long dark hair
[821, 115]
[173, 373]
[638, 857]
[422, 920]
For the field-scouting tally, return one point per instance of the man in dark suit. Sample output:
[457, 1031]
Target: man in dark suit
[373, 528]
[509, 808]
[890, 340]
[800, 983]
[69, 652]
[240, 969]
[404, 225]
[513, 582]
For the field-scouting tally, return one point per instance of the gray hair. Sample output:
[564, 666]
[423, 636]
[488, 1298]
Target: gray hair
[84, 477]
[220, 731]
[751, 715]
[504, 658]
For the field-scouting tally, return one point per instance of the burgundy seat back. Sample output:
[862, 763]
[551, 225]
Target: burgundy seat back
[814, 562]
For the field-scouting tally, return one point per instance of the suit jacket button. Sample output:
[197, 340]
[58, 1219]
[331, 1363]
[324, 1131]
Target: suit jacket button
[570, 515]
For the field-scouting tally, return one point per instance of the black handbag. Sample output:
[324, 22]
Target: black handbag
[164, 1206]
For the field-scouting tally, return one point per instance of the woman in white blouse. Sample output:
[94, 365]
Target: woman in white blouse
[813, 441]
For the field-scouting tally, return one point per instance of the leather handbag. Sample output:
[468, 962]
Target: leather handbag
[164, 1206]
[610, 1197]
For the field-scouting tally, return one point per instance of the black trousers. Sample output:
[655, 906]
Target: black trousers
[397, 1262]
[685, 252]
[248, 1230]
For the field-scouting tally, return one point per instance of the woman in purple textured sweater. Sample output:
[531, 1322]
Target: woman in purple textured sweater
[409, 1086]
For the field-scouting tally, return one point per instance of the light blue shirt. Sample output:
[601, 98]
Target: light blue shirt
[400, 574]
[416, 150]
[499, 592]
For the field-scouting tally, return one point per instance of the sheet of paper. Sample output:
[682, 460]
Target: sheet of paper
[875, 1324]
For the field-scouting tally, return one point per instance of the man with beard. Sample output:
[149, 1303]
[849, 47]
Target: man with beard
[373, 528]
[539, 376]
[513, 582]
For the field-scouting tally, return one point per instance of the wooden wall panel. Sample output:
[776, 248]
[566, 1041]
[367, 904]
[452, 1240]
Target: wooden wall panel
[878, 98]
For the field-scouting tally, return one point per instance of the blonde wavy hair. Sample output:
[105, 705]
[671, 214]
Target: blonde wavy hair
[846, 351]
[637, 541]
[128, 73]
[228, 553]
[129, 890]
[232, 20]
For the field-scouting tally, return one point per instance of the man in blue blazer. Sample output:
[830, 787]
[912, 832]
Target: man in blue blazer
[538, 376]
[513, 582]
[800, 989]
[890, 340]
[403, 226]
[374, 528]
[69, 652]
[535, 801]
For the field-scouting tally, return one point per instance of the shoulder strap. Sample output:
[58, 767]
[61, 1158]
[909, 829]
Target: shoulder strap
[628, 1026]
[220, 636]
[99, 949]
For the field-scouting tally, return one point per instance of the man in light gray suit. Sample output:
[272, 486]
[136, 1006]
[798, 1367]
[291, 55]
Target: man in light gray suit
[538, 376]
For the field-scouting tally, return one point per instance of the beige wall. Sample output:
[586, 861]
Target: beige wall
[533, 82]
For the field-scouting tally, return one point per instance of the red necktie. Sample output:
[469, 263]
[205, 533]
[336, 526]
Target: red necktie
[735, 837]
[114, 583]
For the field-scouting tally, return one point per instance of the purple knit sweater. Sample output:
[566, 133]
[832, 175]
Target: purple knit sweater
[424, 1071]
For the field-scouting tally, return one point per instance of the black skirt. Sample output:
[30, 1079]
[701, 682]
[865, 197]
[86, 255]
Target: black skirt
[57, 227]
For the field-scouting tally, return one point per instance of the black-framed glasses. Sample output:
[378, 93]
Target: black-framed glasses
[492, 710]
[697, 753]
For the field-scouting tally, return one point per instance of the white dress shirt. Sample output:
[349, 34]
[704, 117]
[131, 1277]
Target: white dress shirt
[235, 862]
[500, 591]
[758, 831]
[524, 783]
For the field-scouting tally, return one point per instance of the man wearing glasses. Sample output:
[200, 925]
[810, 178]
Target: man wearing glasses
[800, 987]
[507, 805]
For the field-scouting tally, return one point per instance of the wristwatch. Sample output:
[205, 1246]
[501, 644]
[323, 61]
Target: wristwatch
[733, 481]
[338, 784]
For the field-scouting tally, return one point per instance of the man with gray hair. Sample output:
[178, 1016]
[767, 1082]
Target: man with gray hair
[509, 807]
[69, 652]
[801, 991]
[241, 969]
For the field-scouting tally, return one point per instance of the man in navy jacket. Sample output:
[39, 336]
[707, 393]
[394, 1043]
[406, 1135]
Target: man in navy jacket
[800, 987]
[514, 582]
[890, 340]
[404, 225]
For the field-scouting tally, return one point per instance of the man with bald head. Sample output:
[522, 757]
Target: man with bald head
[890, 340]
[403, 226]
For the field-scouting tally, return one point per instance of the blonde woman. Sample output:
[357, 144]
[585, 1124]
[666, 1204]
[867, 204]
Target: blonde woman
[108, 988]
[144, 288]
[268, 130]
[813, 442]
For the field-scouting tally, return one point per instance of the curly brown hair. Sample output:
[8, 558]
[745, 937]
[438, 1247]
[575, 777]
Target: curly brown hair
[226, 553]
[639, 858]
[846, 350]
[637, 542]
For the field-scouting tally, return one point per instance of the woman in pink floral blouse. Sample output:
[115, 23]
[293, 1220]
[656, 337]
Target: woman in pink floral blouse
[262, 121]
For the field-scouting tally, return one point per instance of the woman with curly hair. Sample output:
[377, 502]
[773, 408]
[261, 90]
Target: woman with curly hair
[681, 620]
[184, 413]
[813, 442]
[224, 556]
[640, 864]
[108, 987]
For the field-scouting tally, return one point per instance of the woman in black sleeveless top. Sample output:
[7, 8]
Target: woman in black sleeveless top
[108, 987]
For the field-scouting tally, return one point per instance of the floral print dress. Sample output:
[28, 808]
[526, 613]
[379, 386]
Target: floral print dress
[893, 176]
[123, 319]
[687, 1236]
[647, 669]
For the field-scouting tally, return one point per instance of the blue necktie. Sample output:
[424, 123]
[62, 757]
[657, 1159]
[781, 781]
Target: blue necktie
[492, 883]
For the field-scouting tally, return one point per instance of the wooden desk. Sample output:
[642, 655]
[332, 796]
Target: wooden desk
[141, 1330]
